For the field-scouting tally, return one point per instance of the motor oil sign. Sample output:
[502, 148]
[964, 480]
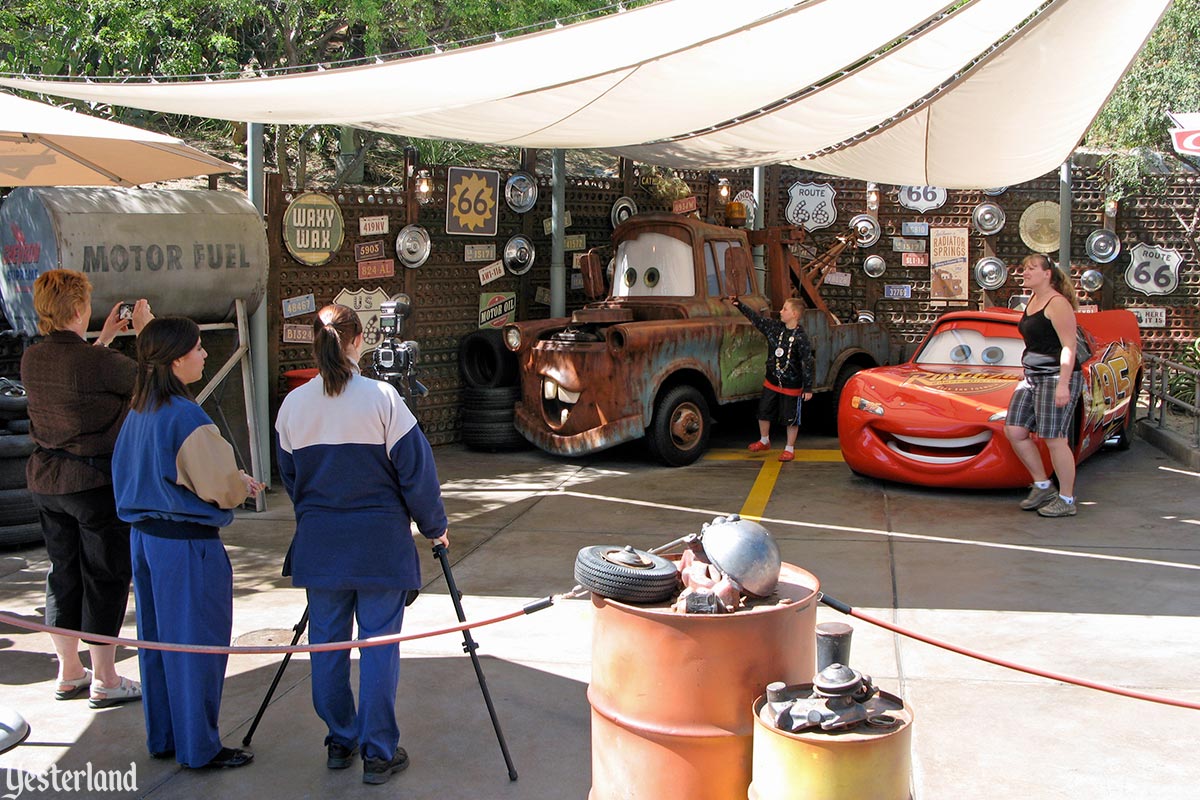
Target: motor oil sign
[1153, 270]
[811, 205]
[496, 309]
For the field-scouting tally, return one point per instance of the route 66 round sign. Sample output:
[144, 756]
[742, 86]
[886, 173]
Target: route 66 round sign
[1153, 270]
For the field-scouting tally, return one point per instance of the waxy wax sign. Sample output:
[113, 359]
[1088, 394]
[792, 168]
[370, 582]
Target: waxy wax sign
[313, 228]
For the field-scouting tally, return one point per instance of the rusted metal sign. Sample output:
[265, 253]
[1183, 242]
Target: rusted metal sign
[297, 334]
[497, 309]
[576, 241]
[372, 226]
[380, 268]
[491, 272]
[295, 306]
[368, 251]
[479, 252]
[914, 259]
[548, 223]
[914, 228]
[900, 245]
[685, 205]
[313, 228]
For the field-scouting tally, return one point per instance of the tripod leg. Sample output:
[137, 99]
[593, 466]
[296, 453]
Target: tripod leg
[262, 709]
[469, 647]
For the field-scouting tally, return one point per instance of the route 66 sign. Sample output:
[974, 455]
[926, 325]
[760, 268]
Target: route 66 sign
[811, 206]
[1153, 270]
[471, 201]
[366, 305]
[922, 198]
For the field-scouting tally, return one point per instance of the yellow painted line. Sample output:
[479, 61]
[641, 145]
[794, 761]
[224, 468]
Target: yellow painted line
[760, 492]
[772, 455]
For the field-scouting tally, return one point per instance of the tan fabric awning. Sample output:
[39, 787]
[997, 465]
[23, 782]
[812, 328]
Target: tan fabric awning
[915, 92]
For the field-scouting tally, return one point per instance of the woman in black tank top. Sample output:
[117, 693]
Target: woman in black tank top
[1044, 401]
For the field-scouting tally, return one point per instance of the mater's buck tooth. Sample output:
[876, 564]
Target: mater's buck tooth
[568, 396]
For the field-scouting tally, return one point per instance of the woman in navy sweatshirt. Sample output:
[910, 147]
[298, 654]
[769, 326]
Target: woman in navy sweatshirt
[175, 480]
[359, 472]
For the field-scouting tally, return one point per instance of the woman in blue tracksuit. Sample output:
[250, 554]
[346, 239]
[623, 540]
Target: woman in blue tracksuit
[175, 479]
[359, 472]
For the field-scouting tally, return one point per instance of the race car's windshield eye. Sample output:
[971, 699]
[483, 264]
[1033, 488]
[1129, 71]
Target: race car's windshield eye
[993, 355]
[630, 277]
[651, 277]
[962, 346]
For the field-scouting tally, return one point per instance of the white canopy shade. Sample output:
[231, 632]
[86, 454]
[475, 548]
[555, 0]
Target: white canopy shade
[41, 145]
[992, 92]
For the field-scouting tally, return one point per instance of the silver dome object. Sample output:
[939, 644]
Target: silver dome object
[745, 551]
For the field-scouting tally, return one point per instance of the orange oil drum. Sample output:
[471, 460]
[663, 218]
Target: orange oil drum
[672, 694]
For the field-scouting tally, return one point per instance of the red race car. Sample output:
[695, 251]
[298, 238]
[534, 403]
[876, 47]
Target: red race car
[938, 419]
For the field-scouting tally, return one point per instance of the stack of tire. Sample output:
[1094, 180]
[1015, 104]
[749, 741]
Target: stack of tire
[490, 390]
[18, 517]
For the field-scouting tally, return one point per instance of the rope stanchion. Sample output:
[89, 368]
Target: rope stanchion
[145, 644]
[845, 608]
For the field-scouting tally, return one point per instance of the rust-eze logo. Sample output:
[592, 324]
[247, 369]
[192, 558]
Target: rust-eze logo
[21, 252]
[961, 382]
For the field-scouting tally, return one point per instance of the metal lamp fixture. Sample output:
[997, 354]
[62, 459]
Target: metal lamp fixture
[723, 188]
[424, 187]
[872, 197]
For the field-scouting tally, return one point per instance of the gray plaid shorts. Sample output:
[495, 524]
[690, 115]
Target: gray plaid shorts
[1032, 405]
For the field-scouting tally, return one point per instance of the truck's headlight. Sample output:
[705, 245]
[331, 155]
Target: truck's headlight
[512, 337]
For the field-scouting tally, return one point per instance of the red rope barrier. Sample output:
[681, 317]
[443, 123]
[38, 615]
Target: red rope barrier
[264, 649]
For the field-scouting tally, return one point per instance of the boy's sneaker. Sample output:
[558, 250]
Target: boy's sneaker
[1038, 498]
[758, 447]
[379, 770]
[339, 756]
[1057, 508]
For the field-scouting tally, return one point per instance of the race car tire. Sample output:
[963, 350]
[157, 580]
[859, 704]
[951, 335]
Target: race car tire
[12, 472]
[492, 437]
[18, 426]
[658, 580]
[678, 433]
[484, 361]
[16, 445]
[481, 398]
[16, 507]
[14, 403]
[14, 535]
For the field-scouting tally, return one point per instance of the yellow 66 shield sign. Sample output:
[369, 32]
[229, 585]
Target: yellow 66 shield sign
[471, 201]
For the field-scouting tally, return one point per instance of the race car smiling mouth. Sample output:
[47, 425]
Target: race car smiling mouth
[557, 402]
[929, 450]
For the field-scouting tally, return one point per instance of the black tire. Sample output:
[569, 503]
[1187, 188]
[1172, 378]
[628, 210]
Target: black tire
[484, 361]
[625, 574]
[828, 408]
[14, 404]
[492, 437]
[476, 398]
[16, 445]
[12, 472]
[678, 433]
[18, 425]
[21, 534]
[16, 507]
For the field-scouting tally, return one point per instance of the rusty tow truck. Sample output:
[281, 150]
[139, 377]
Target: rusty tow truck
[662, 349]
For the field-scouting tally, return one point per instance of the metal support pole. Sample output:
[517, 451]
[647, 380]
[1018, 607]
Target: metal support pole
[760, 206]
[558, 210]
[256, 191]
[1064, 215]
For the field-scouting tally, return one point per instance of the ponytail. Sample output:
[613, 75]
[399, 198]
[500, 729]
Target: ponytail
[334, 331]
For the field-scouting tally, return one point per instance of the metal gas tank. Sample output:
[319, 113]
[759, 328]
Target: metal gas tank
[189, 252]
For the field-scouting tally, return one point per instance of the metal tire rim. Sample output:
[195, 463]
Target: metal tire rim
[687, 426]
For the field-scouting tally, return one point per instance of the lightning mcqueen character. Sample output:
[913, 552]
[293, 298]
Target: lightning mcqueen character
[938, 419]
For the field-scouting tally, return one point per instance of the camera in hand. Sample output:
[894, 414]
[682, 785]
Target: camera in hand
[125, 311]
[394, 360]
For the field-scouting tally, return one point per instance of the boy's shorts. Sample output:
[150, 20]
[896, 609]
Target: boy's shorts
[782, 408]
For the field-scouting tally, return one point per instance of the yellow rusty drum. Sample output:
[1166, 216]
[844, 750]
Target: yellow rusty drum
[672, 694]
[863, 764]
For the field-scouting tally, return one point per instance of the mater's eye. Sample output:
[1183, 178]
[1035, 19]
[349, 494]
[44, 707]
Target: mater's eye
[993, 355]
[630, 277]
[651, 277]
[961, 354]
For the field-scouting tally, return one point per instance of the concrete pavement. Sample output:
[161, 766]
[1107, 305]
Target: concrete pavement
[1112, 595]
